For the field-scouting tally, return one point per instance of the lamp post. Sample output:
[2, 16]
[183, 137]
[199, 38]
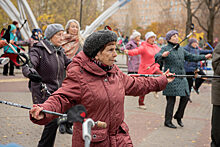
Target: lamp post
[80, 19]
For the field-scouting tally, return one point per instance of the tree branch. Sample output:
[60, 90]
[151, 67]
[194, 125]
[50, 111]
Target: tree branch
[199, 23]
[185, 3]
[217, 2]
[217, 9]
[200, 4]
[208, 4]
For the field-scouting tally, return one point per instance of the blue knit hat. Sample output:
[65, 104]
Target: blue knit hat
[170, 34]
[192, 40]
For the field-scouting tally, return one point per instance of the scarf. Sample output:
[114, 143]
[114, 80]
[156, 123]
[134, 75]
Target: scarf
[101, 65]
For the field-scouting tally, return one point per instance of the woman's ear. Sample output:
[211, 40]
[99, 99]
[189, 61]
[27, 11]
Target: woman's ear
[97, 56]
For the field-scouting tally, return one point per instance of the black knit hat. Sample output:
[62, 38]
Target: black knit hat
[97, 41]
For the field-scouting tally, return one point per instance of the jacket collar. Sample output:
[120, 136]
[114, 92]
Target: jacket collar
[86, 63]
[45, 44]
[148, 44]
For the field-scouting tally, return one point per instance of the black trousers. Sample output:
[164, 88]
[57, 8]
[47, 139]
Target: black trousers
[11, 70]
[215, 131]
[198, 81]
[170, 106]
[49, 134]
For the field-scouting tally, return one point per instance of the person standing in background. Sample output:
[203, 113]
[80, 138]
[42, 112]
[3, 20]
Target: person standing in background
[10, 37]
[133, 61]
[72, 39]
[192, 68]
[147, 51]
[48, 63]
[215, 127]
[160, 42]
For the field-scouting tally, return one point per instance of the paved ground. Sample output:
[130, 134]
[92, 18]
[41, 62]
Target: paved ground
[146, 126]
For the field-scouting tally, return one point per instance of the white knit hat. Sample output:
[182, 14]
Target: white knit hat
[149, 34]
[135, 34]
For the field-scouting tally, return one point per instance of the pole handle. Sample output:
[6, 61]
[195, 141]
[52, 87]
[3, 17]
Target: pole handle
[101, 124]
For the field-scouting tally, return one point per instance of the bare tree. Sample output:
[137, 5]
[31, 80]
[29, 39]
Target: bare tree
[190, 12]
[212, 7]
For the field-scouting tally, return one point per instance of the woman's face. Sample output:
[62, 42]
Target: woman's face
[195, 44]
[73, 28]
[137, 39]
[174, 39]
[57, 38]
[151, 40]
[107, 56]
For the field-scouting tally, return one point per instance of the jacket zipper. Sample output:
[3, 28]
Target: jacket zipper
[58, 69]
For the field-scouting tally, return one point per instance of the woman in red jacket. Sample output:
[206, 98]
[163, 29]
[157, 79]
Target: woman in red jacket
[94, 81]
[147, 50]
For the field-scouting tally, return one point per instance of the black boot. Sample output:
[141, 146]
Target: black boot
[170, 125]
[62, 128]
[179, 121]
[69, 128]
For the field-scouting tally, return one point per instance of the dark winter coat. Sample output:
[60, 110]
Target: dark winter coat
[215, 81]
[102, 93]
[50, 64]
[192, 66]
[175, 62]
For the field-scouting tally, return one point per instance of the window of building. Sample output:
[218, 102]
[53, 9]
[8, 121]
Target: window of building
[171, 3]
[171, 10]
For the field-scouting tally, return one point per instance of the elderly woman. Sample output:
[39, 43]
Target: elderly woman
[94, 81]
[72, 39]
[147, 50]
[133, 61]
[174, 60]
[48, 63]
[194, 67]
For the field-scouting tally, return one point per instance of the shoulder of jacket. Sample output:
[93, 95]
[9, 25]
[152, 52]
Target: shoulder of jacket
[74, 68]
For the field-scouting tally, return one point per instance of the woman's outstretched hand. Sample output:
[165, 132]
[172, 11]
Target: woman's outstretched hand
[36, 112]
[169, 76]
[126, 51]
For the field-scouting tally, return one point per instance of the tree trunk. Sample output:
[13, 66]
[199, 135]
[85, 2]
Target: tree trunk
[189, 17]
[211, 22]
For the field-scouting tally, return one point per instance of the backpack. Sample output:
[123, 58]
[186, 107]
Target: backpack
[3, 32]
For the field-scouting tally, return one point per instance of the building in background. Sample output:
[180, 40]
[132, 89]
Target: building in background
[142, 13]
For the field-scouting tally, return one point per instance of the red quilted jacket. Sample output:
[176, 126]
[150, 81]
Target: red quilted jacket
[102, 93]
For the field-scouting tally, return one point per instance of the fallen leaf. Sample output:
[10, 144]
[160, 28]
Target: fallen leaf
[20, 133]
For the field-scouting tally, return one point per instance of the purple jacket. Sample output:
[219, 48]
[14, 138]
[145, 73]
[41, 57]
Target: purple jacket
[50, 64]
[133, 61]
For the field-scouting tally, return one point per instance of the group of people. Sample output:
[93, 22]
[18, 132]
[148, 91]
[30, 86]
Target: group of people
[65, 70]
[151, 55]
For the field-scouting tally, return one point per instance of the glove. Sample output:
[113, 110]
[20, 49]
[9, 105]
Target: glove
[35, 77]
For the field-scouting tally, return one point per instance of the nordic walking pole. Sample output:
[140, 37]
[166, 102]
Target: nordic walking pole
[176, 76]
[29, 108]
